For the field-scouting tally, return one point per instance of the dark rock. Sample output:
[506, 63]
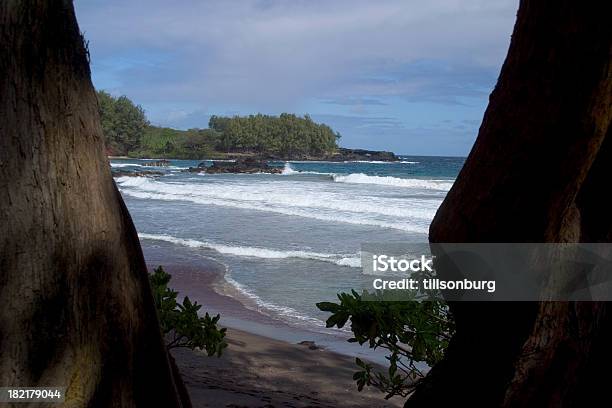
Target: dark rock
[310, 344]
[127, 173]
[247, 165]
[157, 163]
[341, 154]
[361, 154]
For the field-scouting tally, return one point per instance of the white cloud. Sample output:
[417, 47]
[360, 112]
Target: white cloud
[276, 51]
[271, 56]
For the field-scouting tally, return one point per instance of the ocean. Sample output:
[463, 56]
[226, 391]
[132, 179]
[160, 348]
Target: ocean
[284, 242]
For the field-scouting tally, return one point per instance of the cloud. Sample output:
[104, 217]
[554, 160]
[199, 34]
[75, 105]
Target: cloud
[355, 102]
[273, 56]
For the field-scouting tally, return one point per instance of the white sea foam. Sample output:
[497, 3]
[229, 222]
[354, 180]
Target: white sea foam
[288, 313]
[353, 262]
[288, 170]
[268, 308]
[265, 253]
[125, 165]
[360, 178]
[320, 201]
[372, 161]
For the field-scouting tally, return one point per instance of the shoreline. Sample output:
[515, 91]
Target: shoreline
[205, 284]
[264, 364]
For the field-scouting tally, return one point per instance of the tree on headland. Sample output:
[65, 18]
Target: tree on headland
[128, 132]
[286, 136]
[180, 144]
[77, 308]
[123, 123]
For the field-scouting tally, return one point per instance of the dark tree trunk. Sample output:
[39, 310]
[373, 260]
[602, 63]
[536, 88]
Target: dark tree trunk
[76, 308]
[538, 172]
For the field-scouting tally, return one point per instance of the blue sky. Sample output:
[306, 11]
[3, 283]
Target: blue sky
[408, 76]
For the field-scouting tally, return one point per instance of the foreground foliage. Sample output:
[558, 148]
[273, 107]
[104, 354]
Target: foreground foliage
[415, 333]
[180, 323]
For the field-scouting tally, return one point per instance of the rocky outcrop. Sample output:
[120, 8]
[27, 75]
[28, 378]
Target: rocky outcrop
[362, 155]
[248, 165]
[143, 173]
[340, 155]
[156, 163]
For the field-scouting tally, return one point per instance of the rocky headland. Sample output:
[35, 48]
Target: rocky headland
[339, 155]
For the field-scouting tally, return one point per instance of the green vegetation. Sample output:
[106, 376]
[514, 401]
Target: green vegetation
[287, 135]
[412, 332]
[179, 144]
[128, 132]
[180, 323]
[123, 123]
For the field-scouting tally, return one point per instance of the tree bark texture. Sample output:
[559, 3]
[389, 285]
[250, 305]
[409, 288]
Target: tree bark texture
[76, 307]
[539, 172]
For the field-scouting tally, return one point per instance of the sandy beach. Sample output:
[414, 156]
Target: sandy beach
[264, 365]
[256, 371]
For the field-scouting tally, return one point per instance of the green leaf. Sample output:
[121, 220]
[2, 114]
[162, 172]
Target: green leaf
[411, 330]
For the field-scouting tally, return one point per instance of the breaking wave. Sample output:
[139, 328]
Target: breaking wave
[342, 260]
[317, 201]
[361, 178]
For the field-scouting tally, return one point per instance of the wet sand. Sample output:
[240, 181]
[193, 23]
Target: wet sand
[259, 369]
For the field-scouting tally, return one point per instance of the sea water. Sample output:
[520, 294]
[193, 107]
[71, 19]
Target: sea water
[290, 240]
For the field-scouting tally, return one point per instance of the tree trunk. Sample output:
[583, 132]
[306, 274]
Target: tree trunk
[76, 304]
[538, 172]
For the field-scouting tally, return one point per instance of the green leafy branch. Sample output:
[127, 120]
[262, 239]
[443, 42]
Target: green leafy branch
[181, 324]
[413, 331]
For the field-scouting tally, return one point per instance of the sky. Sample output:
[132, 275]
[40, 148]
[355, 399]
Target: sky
[408, 76]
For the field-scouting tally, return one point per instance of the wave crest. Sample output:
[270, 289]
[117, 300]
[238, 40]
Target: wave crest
[361, 178]
[253, 252]
[125, 165]
[321, 203]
